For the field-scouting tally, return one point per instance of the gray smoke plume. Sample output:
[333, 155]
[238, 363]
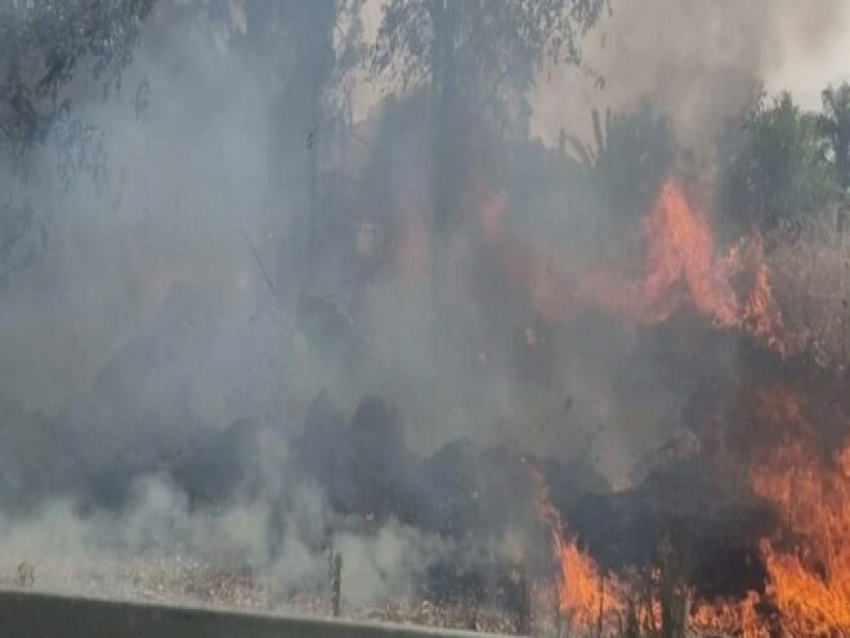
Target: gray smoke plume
[697, 63]
[160, 357]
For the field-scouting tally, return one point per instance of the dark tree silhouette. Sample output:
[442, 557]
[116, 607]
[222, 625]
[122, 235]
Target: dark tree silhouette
[835, 124]
[774, 166]
[479, 60]
[50, 53]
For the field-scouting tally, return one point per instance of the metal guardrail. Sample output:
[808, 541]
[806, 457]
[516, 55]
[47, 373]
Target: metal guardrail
[38, 615]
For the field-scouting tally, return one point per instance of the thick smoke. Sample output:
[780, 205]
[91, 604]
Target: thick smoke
[148, 324]
[160, 360]
[697, 63]
[159, 541]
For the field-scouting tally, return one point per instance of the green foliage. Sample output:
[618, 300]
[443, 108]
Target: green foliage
[43, 47]
[50, 52]
[774, 165]
[494, 49]
[835, 125]
[631, 155]
[486, 33]
[478, 61]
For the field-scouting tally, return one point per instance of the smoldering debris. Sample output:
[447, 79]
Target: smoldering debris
[336, 332]
[238, 500]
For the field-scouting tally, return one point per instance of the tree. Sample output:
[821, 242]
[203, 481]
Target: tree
[490, 50]
[309, 47]
[774, 168]
[302, 50]
[835, 124]
[43, 47]
[631, 156]
[479, 60]
[309, 26]
[50, 52]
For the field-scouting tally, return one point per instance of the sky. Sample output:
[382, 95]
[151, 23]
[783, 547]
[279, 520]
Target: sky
[696, 61]
[710, 50]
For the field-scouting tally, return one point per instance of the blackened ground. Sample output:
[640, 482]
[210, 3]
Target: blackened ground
[462, 490]
[713, 527]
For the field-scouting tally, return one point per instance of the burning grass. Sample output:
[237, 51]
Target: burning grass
[807, 560]
[789, 297]
[809, 566]
[791, 302]
[682, 266]
[812, 282]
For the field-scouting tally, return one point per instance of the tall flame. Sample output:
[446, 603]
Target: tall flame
[588, 599]
[809, 573]
[681, 267]
[681, 251]
[808, 564]
[598, 603]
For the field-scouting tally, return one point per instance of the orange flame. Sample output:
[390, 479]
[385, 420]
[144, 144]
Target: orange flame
[729, 618]
[587, 597]
[681, 250]
[681, 267]
[808, 566]
[594, 602]
[809, 581]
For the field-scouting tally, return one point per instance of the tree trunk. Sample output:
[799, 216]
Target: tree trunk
[842, 165]
[447, 145]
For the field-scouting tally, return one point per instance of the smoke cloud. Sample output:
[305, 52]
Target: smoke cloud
[162, 355]
[696, 63]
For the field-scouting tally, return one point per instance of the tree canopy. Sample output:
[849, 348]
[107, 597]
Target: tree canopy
[774, 165]
[43, 47]
[631, 155]
[493, 50]
[47, 49]
[835, 125]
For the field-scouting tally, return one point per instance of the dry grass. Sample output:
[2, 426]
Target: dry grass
[178, 580]
[810, 279]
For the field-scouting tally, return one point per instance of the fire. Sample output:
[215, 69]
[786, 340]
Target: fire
[807, 589]
[729, 618]
[588, 599]
[583, 594]
[809, 572]
[759, 314]
[593, 602]
[681, 267]
[552, 297]
[681, 251]
[844, 460]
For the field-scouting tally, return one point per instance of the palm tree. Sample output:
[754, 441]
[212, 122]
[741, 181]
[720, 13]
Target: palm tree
[835, 124]
[629, 159]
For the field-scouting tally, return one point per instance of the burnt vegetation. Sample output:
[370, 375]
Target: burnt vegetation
[377, 343]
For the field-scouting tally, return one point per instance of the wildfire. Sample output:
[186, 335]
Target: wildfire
[807, 590]
[681, 251]
[593, 602]
[588, 599]
[809, 573]
[729, 618]
[681, 266]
